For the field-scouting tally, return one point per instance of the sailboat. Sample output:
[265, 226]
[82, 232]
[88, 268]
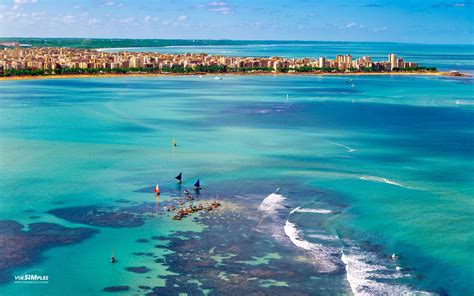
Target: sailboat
[157, 189]
[197, 185]
[174, 143]
[179, 178]
[112, 258]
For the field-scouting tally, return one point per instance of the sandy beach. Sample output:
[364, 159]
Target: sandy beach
[226, 74]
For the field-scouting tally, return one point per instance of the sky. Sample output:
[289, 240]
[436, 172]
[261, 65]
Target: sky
[411, 21]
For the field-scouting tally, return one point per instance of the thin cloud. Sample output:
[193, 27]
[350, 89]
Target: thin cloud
[221, 10]
[18, 3]
[378, 29]
[93, 21]
[467, 3]
[217, 7]
[68, 19]
[357, 26]
[110, 3]
[354, 25]
[217, 3]
[38, 13]
[126, 20]
[24, 1]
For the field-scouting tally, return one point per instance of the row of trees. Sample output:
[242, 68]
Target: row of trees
[192, 70]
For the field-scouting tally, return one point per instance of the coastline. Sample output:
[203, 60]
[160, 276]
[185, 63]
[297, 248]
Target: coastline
[31, 77]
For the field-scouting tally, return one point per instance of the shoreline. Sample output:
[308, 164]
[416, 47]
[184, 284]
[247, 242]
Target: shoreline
[109, 75]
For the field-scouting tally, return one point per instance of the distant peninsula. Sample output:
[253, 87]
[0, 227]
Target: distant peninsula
[17, 62]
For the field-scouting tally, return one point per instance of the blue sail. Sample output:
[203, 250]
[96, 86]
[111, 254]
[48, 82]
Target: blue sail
[178, 177]
[197, 185]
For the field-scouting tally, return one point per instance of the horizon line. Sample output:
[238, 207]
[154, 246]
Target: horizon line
[237, 40]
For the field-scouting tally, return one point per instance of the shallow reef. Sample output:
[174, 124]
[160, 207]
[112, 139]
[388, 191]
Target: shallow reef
[21, 248]
[99, 216]
[224, 260]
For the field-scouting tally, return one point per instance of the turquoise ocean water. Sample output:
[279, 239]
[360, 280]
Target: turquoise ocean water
[381, 168]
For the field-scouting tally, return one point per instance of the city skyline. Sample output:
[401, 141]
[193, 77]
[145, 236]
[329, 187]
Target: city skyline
[447, 22]
[53, 59]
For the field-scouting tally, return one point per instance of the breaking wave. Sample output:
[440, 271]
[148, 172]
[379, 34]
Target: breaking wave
[382, 180]
[324, 237]
[365, 273]
[325, 256]
[316, 211]
[272, 203]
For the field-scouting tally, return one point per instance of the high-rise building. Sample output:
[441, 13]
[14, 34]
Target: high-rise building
[133, 62]
[400, 63]
[322, 62]
[348, 59]
[392, 58]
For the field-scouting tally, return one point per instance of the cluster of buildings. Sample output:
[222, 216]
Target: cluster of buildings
[51, 58]
[348, 62]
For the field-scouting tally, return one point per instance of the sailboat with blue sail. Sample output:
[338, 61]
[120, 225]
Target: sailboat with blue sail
[179, 178]
[197, 185]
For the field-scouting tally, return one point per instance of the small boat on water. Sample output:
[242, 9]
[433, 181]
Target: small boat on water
[179, 178]
[174, 142]
[189, 210]
[197, 185]
[187, 194]
[157, 189]
[218, 78]
[112, 258]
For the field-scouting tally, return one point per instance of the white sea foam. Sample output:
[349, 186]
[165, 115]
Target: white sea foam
[382, 180]
[316, 211]
[272, 204]
[464, 102]
[324, 255]
[363, 275]
[324, 237]
[349, 149]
